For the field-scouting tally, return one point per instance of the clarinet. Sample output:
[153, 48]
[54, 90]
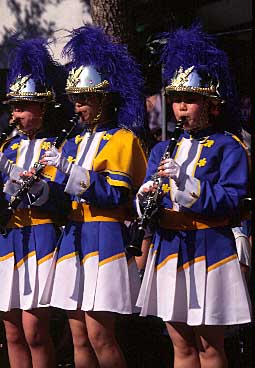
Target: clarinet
[27, 184]
[151, 202]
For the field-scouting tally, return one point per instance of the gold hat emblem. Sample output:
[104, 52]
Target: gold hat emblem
[19, 84]
[181, 77]
[74, 77]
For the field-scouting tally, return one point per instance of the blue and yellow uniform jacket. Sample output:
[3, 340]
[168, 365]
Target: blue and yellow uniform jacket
[195, 218]
[109, 166]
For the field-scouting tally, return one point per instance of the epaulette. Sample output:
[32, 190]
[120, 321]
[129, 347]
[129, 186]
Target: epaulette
[5, 143]
[236, 138]
[140, 139]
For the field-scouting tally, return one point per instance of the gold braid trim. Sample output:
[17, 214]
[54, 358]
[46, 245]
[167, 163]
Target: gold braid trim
[95, 88]
[27, 94]
[205, 90]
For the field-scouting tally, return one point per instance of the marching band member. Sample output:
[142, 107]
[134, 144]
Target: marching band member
[27, 247]
[104, 165]
[192, 278]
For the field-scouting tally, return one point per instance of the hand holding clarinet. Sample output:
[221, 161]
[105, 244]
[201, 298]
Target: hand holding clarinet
[31, 182]
[150, 194]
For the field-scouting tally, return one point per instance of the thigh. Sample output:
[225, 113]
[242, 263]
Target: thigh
[210, 336]
[100, 325]
[36, 322]
[13, 325]
[77, 325]
[181, 334]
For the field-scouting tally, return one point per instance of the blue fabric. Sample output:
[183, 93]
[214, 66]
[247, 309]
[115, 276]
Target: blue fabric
[223, 178]
[40, 238]
[108, 238]
[223, 181]
[193, 244]
[101, 193]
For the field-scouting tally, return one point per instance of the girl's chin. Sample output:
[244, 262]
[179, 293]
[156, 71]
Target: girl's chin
[187, 127]
[84, 118]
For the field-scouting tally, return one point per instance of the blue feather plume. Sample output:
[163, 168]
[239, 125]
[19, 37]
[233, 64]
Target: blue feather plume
[89, 45]
[193, 47]
[32, 57]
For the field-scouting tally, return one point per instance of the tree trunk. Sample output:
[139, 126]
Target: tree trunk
[116, 18]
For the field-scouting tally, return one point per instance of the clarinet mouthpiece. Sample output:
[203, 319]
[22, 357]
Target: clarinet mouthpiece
[182, 120]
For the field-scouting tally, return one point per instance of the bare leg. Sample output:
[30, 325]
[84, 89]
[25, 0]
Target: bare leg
[184, 343]
[141, 261]
[84, 356]
[210, 341]
[101, 331]
[36, 329]
[18, 350]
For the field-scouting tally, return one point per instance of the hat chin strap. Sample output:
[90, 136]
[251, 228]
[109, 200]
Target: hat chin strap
[95, 121]
[30, 133]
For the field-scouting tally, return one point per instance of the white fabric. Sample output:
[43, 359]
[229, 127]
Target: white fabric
[23, 162]
[11, 188]
[9, 168]
[243, 247]
[78, 180]
[91, 286]
[40, 186]
[172, 169]
[184, 193]
[6, 277]
[34, 148]
[22, 288]
[193, 295]
[141, 193]
[187, 195]
[87, 160]
[55, 158]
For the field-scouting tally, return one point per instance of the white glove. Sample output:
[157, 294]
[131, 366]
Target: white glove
[172, 169]
[40, 188]
[145, 188]
[9, 168]
[141, 194]
[53, 157]
[243, 247]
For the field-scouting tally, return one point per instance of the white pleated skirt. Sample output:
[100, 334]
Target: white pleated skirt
[92, 271]
[194, 284]
[25, 263]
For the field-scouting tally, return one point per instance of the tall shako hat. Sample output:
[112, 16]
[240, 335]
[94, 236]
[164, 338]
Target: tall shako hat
[193, 63]
[33, 74]
[99, 64]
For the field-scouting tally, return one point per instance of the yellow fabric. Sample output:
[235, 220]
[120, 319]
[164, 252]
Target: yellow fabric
[222, 262]
[82, 212]
[173, 220]
[28, 217]
[123, 154]
[5, 143]
[49, 172]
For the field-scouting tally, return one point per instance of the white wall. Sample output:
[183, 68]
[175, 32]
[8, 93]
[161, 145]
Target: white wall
[67, 15]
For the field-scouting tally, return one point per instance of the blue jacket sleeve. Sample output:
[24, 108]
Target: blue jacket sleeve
[223, 197]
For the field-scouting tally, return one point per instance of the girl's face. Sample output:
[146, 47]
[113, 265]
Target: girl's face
[192, 107]
[29, 115]
[88, 105]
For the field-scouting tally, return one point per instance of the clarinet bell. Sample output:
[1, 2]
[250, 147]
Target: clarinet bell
[136, 235]
[134, 250]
